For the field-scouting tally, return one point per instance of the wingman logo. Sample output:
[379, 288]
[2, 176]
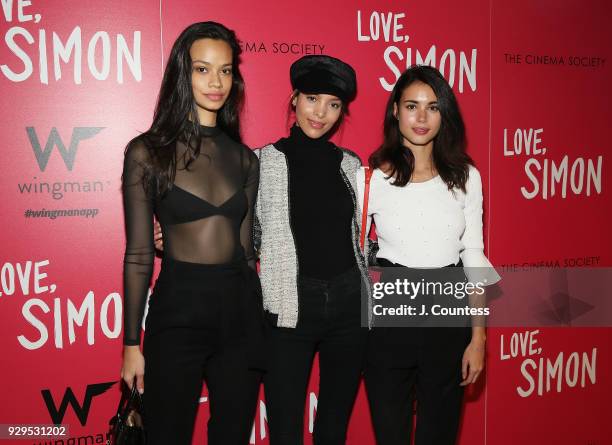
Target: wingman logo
[80, 408]
[58, 183]
[54, 140]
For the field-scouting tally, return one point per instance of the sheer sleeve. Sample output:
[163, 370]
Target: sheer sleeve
[251, 185]
[139, 251]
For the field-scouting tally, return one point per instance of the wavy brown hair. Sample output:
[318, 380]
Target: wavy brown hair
[449, 155]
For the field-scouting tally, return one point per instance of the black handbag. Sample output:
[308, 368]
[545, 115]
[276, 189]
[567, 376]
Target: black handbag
[127, 426]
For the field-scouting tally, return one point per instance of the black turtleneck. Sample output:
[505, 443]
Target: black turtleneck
[321, 207]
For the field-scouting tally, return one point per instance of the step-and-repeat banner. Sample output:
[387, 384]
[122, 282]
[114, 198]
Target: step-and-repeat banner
[79, 79]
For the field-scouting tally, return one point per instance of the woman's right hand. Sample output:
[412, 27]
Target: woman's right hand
[133, 366]
[158, 237]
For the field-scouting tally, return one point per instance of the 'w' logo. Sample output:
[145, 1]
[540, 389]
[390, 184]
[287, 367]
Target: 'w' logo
[68, 155]
[81, 409]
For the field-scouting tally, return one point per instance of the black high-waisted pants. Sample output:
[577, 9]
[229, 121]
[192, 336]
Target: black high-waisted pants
[194, 332]
[422, 362]
[329, 322]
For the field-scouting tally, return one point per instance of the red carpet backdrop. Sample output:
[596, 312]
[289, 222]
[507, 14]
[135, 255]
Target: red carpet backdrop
[80, 78]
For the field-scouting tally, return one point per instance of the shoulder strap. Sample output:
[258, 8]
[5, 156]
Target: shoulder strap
[366, 197]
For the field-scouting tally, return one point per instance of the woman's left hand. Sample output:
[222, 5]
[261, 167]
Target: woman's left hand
[473, 361]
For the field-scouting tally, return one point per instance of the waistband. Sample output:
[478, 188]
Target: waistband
[185, 275]
[168, 262]
[383, 262]
[340, 278]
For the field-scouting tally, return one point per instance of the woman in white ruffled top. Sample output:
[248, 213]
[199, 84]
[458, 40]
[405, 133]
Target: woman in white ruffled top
[426, 201]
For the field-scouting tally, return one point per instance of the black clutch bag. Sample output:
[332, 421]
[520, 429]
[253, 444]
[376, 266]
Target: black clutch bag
[127, 426]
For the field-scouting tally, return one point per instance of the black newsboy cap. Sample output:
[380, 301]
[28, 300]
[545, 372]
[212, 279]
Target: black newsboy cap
[324, 75]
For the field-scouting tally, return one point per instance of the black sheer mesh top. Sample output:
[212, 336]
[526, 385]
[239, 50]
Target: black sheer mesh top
[206, 216]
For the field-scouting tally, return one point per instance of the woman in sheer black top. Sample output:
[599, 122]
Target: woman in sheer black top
[192, 172]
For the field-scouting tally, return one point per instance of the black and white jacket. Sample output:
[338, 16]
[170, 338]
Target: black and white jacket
[274, 238]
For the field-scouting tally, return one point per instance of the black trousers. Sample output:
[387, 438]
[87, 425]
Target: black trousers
[195, 332]
[416, 362]
[329, 322]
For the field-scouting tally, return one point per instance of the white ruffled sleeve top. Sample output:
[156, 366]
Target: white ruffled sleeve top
[426, 225]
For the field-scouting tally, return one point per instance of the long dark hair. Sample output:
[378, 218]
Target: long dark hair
[449, 156]
[176, 117]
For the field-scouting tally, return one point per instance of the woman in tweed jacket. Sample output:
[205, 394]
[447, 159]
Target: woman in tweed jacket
[312, 270]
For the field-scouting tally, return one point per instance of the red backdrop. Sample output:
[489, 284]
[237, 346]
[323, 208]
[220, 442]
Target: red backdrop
[79, 79]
